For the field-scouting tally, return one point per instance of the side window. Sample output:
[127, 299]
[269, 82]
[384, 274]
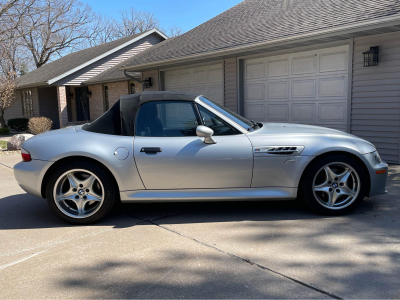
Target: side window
[219, 126]
[27, 103]
[166, 118]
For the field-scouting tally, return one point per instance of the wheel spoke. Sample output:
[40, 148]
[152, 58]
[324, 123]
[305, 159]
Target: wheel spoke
[93, 197]
[73, 181]
[347, 191]
[330, 175]
[80, 204]
[322, 188]
[345, 176]
[88, 182]
[332, 199]
[70, 195]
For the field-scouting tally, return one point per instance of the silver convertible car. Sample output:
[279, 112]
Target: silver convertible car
[165, 146]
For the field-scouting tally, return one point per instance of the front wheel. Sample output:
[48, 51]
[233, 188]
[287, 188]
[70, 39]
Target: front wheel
[80, 193]
[334, 185]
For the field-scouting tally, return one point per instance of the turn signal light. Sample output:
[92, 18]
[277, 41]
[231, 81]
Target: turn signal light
[381, 172]
[26, 156]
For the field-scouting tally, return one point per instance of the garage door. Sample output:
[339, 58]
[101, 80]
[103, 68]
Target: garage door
[204, 80]
[307, 87]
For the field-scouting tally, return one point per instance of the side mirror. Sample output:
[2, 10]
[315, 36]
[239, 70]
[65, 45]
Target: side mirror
[206, 133]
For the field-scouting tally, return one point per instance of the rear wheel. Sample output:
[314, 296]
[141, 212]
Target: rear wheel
[334, 185]
[80, 193]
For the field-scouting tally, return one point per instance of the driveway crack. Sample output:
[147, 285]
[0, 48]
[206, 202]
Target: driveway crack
[245, 260]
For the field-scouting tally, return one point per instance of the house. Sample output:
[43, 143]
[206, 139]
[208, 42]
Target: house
[293, 61]
[57, 90]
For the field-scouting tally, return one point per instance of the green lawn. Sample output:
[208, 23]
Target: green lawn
[3, 144]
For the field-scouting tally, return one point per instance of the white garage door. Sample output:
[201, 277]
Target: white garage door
[204, 80]
[307, 87]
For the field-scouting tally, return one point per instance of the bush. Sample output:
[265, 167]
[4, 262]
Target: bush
[18, 124]
[4, 131]
[39, 125]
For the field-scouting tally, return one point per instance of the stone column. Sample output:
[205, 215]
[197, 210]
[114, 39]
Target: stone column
[62, 105]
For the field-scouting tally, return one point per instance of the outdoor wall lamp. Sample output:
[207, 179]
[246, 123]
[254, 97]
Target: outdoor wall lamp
[89, 93]
[371, 57]
[71, 95]
[147, 82]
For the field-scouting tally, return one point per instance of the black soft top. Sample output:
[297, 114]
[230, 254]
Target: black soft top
[121, 118]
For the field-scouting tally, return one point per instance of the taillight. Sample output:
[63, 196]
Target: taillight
[26, 156]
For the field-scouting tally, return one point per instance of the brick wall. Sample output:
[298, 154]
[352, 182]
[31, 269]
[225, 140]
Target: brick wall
[116, 90]
[96, 104]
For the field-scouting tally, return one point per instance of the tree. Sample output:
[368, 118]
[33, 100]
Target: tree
[133, 22]
[174, 31]
[14, 59]
[11, 13]
[52, 27]
[7, 95]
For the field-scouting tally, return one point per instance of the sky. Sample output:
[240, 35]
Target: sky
[186, 14]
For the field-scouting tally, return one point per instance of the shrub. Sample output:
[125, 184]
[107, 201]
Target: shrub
[4, 131]
[18, 124]
[39, 125]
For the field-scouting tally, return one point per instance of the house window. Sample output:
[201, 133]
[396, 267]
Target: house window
[132, 88]
[27, 103]
[106, 102]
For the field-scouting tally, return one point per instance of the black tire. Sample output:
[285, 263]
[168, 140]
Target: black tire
[306, 192]
[110, 192]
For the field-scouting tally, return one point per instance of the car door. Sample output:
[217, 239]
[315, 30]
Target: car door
[169, 154]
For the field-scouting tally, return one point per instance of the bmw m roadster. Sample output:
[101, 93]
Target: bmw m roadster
[166, 146]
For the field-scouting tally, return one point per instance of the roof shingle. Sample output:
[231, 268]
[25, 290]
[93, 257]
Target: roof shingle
[253, 21]
[69, 62]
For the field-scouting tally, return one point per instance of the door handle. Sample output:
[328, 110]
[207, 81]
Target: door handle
[151, 149]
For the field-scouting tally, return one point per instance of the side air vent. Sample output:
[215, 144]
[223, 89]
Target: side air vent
[278, 150]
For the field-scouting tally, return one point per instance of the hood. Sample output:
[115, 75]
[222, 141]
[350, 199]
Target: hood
[297, 129]
[314, 138]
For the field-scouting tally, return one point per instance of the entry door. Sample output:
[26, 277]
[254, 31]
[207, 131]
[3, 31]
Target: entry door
[170, 155]
[82, 104]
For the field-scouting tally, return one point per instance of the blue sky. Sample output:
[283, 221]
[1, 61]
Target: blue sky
[184, 13]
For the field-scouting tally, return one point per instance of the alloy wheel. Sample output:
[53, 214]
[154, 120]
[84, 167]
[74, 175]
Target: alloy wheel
[336, 185]
[78, 193]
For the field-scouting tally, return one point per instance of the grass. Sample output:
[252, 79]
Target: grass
[3, 144]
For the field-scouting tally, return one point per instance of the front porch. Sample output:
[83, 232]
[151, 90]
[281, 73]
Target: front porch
[74, 105]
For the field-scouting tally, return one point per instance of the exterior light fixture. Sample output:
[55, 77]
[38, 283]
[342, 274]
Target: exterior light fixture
[147, 82]
[371, 57]
[89, 93]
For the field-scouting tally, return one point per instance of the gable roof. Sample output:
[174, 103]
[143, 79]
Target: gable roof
[66, 65]
[115, 73]
[112, 74]
[260, 21]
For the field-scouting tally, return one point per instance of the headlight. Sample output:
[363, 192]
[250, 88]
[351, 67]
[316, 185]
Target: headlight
[376, 156]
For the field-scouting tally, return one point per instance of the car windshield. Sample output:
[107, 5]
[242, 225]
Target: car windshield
[246, 124]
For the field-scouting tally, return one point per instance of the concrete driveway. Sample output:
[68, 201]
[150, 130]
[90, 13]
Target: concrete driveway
[199, 250]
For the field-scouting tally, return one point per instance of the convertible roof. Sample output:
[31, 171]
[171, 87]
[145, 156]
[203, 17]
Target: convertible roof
[121, 118]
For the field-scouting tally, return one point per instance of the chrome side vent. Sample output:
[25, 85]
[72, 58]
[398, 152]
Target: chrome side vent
[278, 150]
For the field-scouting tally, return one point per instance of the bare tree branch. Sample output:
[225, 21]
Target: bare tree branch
[7, 95]
[53, 27]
